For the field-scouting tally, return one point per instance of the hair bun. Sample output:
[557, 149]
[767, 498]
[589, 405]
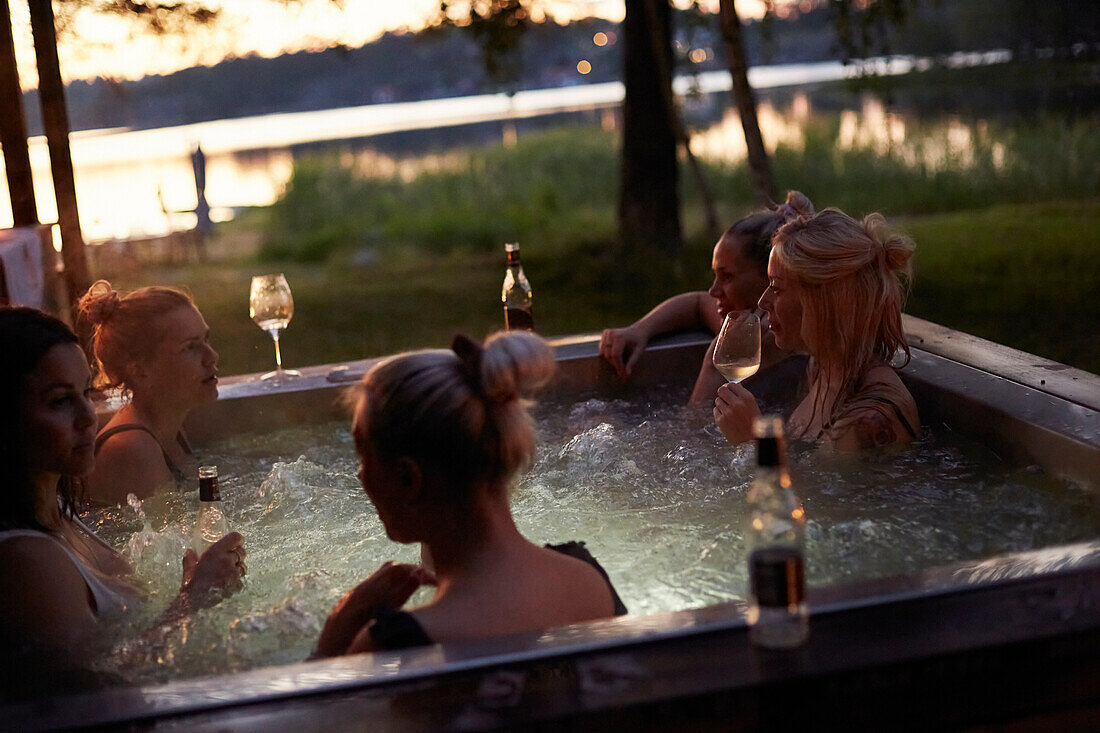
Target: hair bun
[896, 250]
[796, 205]
[100, 302]
[514, 363]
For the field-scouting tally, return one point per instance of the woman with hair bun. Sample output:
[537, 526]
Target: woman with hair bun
[740, 265]
[154, 344]
[441, 435]
[836, 287]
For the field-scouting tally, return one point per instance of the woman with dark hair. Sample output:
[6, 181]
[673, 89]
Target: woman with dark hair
[441, 435]
[836, 290]
[56, 577]
[740, 265]
[154, 344]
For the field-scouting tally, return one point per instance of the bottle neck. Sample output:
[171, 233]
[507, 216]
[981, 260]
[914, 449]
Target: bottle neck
[512, 259]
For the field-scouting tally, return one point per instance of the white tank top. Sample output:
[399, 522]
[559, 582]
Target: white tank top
[109, 595]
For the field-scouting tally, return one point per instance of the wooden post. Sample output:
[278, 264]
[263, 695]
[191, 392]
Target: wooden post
[13, 129]
[55, 120]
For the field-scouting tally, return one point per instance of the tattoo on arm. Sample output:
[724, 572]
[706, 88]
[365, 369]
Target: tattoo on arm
[874, 430]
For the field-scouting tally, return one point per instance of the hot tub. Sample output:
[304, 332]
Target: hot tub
[1011, 637]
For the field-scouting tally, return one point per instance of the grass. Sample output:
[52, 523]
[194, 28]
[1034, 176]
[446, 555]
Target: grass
[1022, 275]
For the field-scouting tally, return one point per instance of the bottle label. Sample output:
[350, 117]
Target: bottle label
[777, 576]
[518, 319]
[208, 489]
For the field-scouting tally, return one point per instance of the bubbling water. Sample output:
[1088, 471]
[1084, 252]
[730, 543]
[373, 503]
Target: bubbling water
[651, 487]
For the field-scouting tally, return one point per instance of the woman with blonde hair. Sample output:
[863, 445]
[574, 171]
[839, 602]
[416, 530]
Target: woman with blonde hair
[441, 436]
[740, 266]
[836, 287]
[153, 344]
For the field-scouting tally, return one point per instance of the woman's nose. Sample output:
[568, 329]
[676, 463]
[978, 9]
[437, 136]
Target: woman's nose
[765, 300]
[86, 414]
[211, 355]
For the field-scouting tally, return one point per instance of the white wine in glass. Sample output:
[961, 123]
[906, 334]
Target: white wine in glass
[737, 348]
[271, 306]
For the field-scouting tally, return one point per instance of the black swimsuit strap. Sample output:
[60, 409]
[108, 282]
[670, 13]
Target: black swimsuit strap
[172, 467]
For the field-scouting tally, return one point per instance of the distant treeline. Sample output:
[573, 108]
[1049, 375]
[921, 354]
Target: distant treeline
[447, 62]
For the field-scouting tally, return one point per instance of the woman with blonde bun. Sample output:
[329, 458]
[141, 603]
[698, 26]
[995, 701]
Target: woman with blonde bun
[740, 265]
[153, 344]
[836, 287]
[441, 436]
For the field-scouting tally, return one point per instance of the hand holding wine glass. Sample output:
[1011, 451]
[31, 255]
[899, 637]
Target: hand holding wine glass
[737, 348]
[271, 306]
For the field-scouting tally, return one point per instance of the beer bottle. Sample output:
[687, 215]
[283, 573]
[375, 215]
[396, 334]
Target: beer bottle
[210, 525]
[516, 293]
[775, 525]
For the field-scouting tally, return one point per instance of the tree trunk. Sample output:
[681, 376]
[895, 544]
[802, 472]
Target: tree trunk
[743, 95]
[649, 198]
[55, 121]
[13, 130]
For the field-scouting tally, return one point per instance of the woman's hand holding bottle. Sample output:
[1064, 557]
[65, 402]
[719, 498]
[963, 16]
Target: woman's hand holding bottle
[217, 573]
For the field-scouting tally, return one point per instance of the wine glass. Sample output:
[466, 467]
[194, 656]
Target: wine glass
[271, 306]
[737, 348]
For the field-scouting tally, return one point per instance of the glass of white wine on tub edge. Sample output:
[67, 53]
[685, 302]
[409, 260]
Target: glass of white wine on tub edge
[271, 306]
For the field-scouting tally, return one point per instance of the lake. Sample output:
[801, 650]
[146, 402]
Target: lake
[140, 183]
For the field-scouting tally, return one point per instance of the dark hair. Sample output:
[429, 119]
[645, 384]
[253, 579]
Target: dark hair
[757, 230]
[26, 335]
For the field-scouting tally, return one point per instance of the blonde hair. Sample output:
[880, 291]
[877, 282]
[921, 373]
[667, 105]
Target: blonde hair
[852, 278]
[123, 327]
[459, 411]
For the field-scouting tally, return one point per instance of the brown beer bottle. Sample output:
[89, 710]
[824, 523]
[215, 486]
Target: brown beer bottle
[516, 293]
[775, 532]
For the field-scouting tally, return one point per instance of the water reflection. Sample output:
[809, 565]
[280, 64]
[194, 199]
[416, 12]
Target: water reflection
[134, 184]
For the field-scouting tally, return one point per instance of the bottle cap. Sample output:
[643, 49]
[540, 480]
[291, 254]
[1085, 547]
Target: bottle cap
[511, 246]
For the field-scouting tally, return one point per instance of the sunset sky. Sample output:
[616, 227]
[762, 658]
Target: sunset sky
[110, 47]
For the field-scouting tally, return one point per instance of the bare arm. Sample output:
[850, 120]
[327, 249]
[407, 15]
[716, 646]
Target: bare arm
[871, 429]
[345, 630]
[708, 381]
[622, 347]
[45, 596]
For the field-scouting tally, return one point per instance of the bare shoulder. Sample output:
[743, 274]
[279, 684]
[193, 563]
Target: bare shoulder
[890, 385]
[586, 585]
[884, 413]
[129, 462]
[44, 593]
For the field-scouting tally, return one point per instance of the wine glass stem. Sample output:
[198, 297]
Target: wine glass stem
[278, 354]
